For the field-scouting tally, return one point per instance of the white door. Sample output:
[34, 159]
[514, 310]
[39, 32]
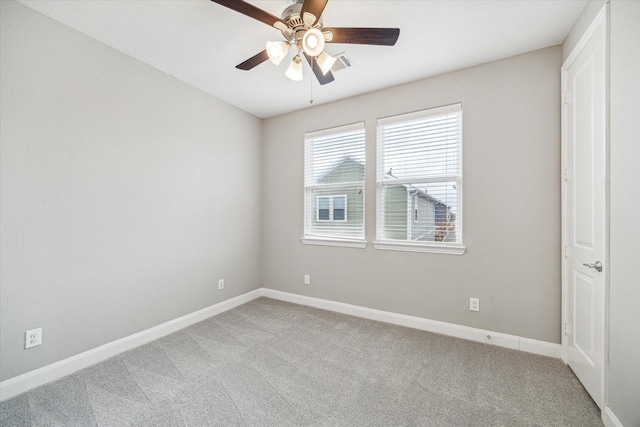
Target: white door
[585, 199]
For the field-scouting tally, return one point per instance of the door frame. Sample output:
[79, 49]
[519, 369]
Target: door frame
[602, 18]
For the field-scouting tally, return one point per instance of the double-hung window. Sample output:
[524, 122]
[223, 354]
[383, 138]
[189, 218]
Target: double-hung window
[332, 208]
[419, 181]
[334, 170]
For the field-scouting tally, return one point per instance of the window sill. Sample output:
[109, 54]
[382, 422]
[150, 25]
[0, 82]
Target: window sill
[417, 247]
[345, 243]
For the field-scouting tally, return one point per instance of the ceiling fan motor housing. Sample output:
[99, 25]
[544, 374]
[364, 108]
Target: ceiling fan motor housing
[295, 32]
[291, 16]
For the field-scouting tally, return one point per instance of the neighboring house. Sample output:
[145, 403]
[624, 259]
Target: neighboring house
[340, 206]
[416, 216]
[413, 215]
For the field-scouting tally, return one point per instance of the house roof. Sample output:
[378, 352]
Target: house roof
[338, 164]
[346, 159]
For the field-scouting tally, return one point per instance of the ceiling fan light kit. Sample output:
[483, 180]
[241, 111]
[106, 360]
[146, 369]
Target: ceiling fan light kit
[301, 25]
[294, 72]
[277, 51]
[325, 62]
[313, 42]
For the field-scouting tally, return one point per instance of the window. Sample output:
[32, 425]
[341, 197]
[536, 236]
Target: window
[334, 186]
[419, 181]
[332, 208]
[324, 208]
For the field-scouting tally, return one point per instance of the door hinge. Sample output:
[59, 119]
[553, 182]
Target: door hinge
[566, 97]
[566, 174]
[567, 328]
[567, 251]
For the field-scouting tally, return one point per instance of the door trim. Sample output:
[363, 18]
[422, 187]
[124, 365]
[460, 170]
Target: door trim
[602, 18]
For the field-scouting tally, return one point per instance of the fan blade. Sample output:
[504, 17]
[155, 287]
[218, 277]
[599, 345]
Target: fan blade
[376, 36]
[323, 79]
[313, 10]
[253, 12]
[253, 61]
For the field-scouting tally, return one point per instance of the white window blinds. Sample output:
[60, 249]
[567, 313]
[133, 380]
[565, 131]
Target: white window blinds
[419, 177]
[334, 183]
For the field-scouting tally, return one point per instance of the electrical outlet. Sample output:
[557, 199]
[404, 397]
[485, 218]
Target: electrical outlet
[307, 279]
[474, 304]
[220, 284]
[33, 338]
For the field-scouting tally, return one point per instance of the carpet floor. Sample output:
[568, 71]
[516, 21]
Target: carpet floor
[271, 363]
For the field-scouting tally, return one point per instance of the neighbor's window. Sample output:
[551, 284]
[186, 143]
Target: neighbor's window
[419, 181]
[334, 186]
[332, 208]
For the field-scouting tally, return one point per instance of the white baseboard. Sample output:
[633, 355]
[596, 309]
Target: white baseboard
[496, 338]
[609, 418]
[25, 382]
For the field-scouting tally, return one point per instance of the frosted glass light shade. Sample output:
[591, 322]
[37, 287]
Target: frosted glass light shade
[276, 51]
[313, 42]
[294, 72]
[325, 62]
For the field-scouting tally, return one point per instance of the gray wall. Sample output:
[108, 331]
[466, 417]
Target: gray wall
[125, 194]
[624, 315]
[511, 149]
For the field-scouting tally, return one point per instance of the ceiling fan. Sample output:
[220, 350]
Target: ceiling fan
[301, 26]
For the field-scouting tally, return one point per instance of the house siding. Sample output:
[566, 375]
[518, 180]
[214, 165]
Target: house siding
[422, 229]
[395, 213]
[348, 170]
[355, 218]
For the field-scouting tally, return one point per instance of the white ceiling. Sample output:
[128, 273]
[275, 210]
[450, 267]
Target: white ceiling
[200, 42]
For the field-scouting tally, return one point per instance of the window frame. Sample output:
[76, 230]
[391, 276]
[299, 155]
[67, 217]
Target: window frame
[455, 248]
